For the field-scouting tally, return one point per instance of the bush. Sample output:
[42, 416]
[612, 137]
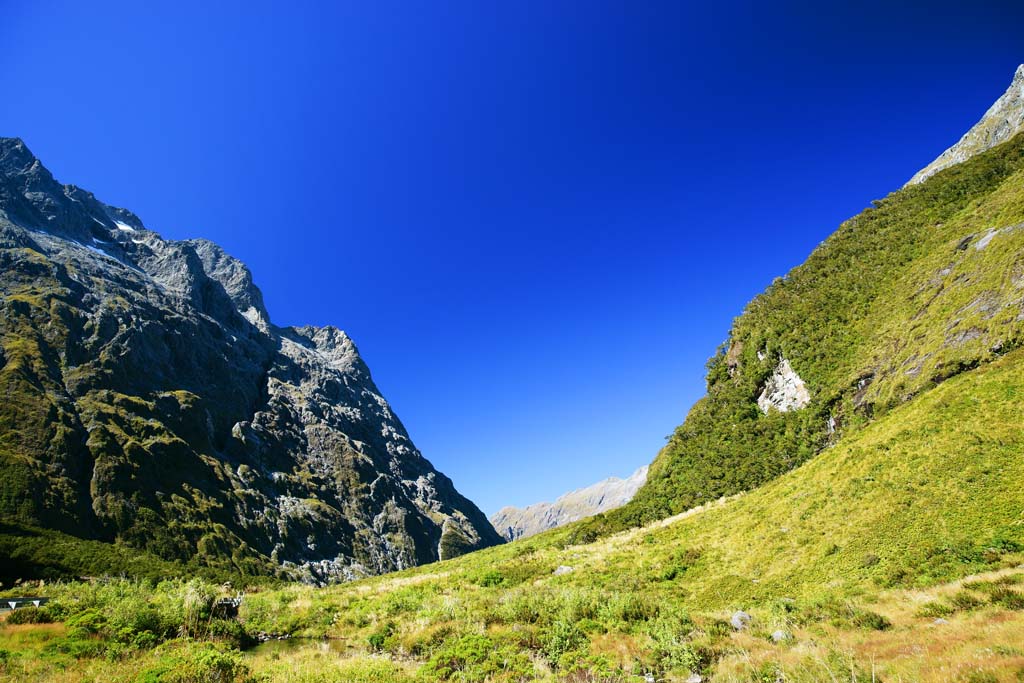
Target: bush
[670, 648]
[1005, 597]
[768, 672]
[935, 609]
[197, 664]
[981, 676]
[843, 614]
[379, 639]
[965, 601]
[491, 578]
[563, 637]
[30, 615]
[476, 658]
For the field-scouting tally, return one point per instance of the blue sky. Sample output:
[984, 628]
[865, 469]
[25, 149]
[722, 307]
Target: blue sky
[536, 219]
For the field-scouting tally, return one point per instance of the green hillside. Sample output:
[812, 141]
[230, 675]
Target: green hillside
[925, 284]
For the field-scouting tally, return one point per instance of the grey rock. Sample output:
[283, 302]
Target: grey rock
[940, 622]
[513, 522]
[739, 620]
[784, 391]
[562, 570]
[779, 636]
[181, 420]
[694, 678]
[1002, 121]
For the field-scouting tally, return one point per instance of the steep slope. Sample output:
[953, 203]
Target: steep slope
[925, 284]
[1002, 121]
[925, 495]
[613, 492]
[150, 401]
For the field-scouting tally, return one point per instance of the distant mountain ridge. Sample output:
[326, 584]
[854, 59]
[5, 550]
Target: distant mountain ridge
[150, 402]
[512, 522]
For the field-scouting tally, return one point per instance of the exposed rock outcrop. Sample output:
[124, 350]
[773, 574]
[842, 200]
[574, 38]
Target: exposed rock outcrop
[513, 522]
[784, 390]
[1002, 121]
[149, 400]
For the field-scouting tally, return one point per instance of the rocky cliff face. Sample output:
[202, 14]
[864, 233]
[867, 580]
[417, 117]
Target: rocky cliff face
[149, 400]
[513, 522]
[1002, 121]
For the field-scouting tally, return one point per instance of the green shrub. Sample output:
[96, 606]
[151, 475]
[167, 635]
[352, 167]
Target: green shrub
[475, 658]
[378, 640]
[842, 614]
[1008, 598]
[935, 609]
[980, 676]
[562, 637]
[964, 601]
[768, 672]
[491, 578]
[196, 664]
[30, 615]
[670, 647]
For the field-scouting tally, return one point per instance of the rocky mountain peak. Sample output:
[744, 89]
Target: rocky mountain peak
[514, 523]
[1002, 121]
[175, 393]
[14, 156]
[236, 279]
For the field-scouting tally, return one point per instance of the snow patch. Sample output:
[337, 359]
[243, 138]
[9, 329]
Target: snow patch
[124, 226]
[95, 250]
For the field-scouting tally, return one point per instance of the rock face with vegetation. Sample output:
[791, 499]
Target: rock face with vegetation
[149, 401]
[613, 492]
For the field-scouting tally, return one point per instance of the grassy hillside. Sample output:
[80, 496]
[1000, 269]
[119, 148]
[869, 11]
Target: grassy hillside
[847, 557]
[921, 286]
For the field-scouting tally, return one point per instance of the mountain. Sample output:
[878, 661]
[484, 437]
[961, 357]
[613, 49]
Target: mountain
[844, 503]
[1002, 121]
[922, 286]
[150, 402]
[613, 492]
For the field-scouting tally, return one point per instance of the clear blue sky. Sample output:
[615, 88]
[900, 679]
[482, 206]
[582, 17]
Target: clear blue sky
[537, 219]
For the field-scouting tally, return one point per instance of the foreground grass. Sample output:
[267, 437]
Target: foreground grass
[844, 565]
[980, 638]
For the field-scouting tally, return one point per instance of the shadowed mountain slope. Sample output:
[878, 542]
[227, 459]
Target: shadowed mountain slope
[149, 401]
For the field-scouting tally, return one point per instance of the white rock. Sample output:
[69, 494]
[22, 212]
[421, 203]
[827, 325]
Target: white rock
[784, 390]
